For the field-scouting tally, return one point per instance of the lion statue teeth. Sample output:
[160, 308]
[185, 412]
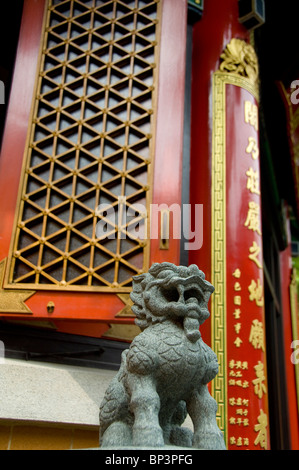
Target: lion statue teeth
[165, 372]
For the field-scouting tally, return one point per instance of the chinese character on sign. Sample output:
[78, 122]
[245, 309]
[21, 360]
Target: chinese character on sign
[233, 373]
[237, 273]
[256, 337]
[253, 217]
[253, 181]
[237, 300]
[238, 342]
[254, 252]
[252, 148]
[261, 429]
[259, 386]
[237, 314]
[239, 441]
[251, 114]
[256, 293]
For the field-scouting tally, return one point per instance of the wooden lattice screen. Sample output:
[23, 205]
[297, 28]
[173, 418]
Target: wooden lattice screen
[90, 143]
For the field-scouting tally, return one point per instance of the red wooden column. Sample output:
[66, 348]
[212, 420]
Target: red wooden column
[18, 115]
[289, 93]
[225, 179]
[291, 343]
[167, 177]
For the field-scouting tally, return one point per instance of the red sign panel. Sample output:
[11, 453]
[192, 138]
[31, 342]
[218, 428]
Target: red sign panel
[247, 409]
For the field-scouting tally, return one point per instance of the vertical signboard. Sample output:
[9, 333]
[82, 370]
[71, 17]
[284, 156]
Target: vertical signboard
[238, 326]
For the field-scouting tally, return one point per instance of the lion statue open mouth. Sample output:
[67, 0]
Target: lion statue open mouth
[165, 372]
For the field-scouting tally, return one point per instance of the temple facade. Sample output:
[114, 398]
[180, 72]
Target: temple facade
[136, 132]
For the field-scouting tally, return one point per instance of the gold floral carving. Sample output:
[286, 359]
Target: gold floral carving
[240, 58]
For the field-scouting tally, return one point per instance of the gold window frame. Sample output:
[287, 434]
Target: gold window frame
[59, 116]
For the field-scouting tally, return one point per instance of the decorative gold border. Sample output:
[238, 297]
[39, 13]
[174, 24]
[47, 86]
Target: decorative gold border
[218, 234]
[10, 300]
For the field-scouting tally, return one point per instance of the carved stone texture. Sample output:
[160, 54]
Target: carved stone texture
[165, 372]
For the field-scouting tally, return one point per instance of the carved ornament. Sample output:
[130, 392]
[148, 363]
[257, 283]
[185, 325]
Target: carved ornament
[240, 58]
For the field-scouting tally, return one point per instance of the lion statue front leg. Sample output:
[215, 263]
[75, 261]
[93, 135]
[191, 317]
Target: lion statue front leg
[145, 406]
[144, 399]
[202, 409]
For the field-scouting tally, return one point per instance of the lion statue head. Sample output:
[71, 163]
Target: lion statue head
[176, 293]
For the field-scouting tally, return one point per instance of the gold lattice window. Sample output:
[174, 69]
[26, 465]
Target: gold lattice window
[90, 144]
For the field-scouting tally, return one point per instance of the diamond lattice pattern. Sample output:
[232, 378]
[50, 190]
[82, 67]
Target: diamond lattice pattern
[90, 145]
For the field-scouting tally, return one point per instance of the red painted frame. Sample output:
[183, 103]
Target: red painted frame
[72, 308]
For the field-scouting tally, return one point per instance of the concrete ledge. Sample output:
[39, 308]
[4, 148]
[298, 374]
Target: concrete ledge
[43, 393]
[47, 393]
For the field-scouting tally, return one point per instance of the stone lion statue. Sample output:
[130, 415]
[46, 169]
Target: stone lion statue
[165, 372]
